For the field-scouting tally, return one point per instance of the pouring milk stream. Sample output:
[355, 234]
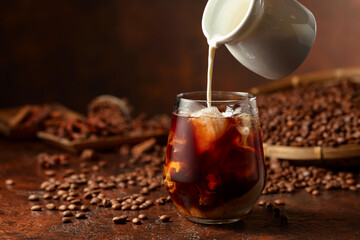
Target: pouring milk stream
[270, 37]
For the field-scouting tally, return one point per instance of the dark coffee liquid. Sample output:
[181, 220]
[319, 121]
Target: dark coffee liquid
[212, 161]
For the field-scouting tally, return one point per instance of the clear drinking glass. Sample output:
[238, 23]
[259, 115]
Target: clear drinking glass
[214, 169]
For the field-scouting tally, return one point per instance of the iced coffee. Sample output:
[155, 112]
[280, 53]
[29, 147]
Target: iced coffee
[214, 169]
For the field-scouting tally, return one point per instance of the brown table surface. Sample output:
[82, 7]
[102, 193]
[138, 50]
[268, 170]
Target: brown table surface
[331, 215]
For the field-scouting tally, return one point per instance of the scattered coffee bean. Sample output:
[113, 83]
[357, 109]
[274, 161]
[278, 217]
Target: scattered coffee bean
[84, 208]
[55, 197]
[50, 206]
[120, 219]
[72, 207]
[34, 197]
[36, 208]
[126, 207]
[142, 216]
[279, 202]
[88, 154]
[80, 216]
[50, 173]
[315, 192]
[76, 201]
[67, 213]
[66, 220]
[165, 218]
[261, 202]
[116, 206]
[134, 207]
[47, 196]
[136, 221]
[9, 182]
[63, 207]
[95, 201]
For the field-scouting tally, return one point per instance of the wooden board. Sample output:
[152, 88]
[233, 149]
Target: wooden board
[311, 153]
[101, 143]
[24, 132]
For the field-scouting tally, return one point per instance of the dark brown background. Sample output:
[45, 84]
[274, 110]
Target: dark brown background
[72, 51]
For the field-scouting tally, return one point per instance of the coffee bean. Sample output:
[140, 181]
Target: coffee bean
[76, 201]
[119, 220]
[47, 196]
[144, 191]
[73, 194]
[160, 201]
[315, 192]
[116, 206]
[66, 220]
[126, 207]
[134, 207]
[50, 206]
[88, 195]
[55, 197]
[131, 183]
[261, 202]
[34, 197]
[136, 221]
[67, 213]
[269, 207]
[50, 173]
[69, 198]
[142, 216]
[84, 208]
[36, 208]
[279, 202]
[95, 201]
[63, 207]
[353, 188]
[72, 207]
[9, 182]
[80, 216]
[143, 206]
[50, 188]
[164, 218]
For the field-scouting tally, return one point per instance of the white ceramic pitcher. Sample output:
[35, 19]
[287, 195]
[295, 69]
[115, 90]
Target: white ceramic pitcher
[273, 38]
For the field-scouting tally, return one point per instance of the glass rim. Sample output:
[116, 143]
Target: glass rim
[241, 96]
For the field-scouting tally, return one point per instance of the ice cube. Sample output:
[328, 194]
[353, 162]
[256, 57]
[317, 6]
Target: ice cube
[207, 112]
[209, 126]
[189, 108]
[228, 112]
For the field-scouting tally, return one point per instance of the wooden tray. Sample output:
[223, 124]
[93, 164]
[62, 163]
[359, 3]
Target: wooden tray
[24, 132]
[341, 152]
[101, 143]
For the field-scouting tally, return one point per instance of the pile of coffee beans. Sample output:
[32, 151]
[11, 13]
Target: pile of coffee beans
[108, 117]
[312, 115]
[74, 193]
[34, 115]
[285, 178]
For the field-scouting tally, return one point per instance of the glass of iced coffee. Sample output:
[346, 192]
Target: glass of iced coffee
[214, 169]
